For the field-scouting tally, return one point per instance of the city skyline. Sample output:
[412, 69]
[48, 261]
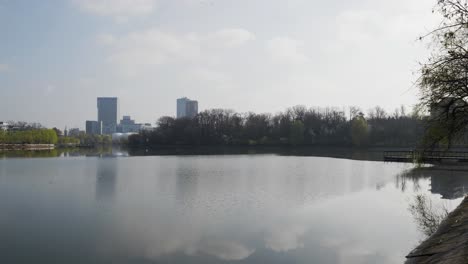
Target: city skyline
[233, 131]
[124, 115]
[109, 122]
[59, 55]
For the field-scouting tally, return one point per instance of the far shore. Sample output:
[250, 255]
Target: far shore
[27, 146]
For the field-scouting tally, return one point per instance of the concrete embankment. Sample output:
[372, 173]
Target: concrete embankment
[26, 146]
[449, 244]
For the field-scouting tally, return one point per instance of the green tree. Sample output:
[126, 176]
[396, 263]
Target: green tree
[31, 136]
[2, 136]
[296, 135]
[444, 76]
[53, 138]
[359, 131]
[106, 140]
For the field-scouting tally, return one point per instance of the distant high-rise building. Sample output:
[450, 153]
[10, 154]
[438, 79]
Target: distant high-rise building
[127, 125]
[108, 111]
[191, 108]
[181, 106]
[186, 108]
[93, 127]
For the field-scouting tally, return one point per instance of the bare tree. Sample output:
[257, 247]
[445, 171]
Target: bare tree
[377, 113]
[444, 77]
[428, 217]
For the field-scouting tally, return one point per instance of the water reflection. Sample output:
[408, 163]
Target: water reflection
[250, 210]
[30, 153]
[449, 181]
[206, 209]
[334, 152]
[106, 179]
[65, 152]
[186, 181]
[428, 216]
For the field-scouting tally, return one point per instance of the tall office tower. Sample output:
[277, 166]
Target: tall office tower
[191, 109]
[108, 111]
[186, 108]
[181, 106]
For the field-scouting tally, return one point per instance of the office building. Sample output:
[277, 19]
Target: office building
[93, 127]
[191, 108]
[181, 106]
[127, 125]
[186, 108]
[108, 111]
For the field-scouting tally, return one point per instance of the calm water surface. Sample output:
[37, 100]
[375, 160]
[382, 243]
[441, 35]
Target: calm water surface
[212, 209]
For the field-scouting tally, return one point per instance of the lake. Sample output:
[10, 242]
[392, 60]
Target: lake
[243, 208]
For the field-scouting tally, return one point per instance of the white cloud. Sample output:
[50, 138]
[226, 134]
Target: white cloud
[285, 239]
[105, 39]
[234, 36]
[360, 27]
[208, 75]
[286, 50]
[49, 89]
[225, 250]
[200, 2]
[399, 22]
[138, 51]
[120, 9]
[4, 67]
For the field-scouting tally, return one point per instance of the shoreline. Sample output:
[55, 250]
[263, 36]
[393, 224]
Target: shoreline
[448, 243]
[371, 154]
[27, 146]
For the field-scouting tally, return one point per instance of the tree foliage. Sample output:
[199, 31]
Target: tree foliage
[296, 136]
[295, 126]
[359, 131]
[444, 77]
[32, 136]
[428, 217]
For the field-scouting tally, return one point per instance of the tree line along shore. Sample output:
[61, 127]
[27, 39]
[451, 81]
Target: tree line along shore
[297, 126]
[30, 137]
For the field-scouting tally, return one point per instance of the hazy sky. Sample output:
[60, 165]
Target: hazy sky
[57, 56]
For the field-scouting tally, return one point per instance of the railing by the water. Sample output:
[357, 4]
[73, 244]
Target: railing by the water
[426, 156]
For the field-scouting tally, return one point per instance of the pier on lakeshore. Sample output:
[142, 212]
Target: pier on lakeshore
[425, 156]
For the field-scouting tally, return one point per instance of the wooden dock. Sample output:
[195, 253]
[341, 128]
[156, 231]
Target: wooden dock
[425, 156]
